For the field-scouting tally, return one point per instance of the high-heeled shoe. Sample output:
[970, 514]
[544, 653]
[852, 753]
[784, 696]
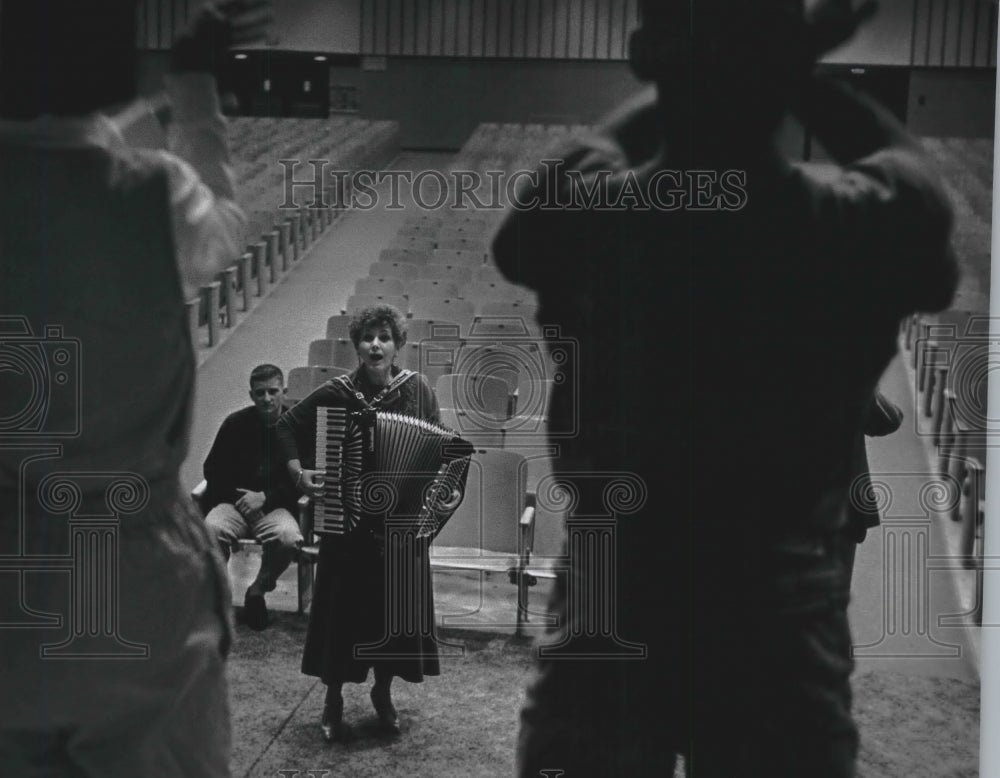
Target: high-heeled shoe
[388, 719]
[332, 723]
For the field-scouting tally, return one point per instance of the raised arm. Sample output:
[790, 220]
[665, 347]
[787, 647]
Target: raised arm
[208, 224]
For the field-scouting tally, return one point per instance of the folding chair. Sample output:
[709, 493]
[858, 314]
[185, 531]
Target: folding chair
[492, 530]
[303, 563]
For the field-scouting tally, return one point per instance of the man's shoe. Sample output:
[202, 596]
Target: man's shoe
[388, 719]
[255, 610]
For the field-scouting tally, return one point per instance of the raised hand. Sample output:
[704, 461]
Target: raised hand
[216, 27]
[833, 22]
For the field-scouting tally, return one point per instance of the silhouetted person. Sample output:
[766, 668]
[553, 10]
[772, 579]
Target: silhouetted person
[731, 335]
[103, 244]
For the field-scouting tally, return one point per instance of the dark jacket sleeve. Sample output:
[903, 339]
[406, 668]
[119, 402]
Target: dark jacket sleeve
[887, 215]
[220, 466]
[279, 491]
[297, 426]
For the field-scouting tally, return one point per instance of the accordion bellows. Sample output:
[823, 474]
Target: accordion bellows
[386, 467]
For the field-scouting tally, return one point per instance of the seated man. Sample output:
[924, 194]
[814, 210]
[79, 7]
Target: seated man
[249, 492]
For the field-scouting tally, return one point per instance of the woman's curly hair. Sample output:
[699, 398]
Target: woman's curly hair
[377, 316]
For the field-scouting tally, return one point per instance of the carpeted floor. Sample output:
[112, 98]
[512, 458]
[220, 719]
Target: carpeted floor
[464, 723]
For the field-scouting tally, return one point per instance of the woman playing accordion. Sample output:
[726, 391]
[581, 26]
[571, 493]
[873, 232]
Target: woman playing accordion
[373, 606]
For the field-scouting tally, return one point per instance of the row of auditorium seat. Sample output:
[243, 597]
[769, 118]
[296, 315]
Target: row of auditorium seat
[949, 353]
[262, 163]
[276, 237]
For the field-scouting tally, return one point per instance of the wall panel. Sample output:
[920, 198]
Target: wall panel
[477, 25]
[505, 39]
[449, 34]
[965, 35]
[464, 29]
[574, 29]
[954, 33]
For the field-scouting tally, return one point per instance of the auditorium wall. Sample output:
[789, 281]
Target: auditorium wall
[922, 33]
[439, 98]
[438, 102]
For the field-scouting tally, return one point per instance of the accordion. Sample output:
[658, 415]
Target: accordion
[382, 466]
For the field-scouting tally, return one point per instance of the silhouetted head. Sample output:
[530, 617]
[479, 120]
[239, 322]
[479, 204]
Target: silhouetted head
[718, 61]
[66, 57]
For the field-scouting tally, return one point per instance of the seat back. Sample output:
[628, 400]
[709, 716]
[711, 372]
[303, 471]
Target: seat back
[504, 327]
[303, 381]
[488, 273]
[338, 327]
[432, 358]
[473, 259]
[380, 285]
[432, 287]
[510, 361]
[527, 311]
[419, 330]
[480, 292]
[448, 309]
[413, 254]
[441, 272]
[488, 518]
[394, 269]
[358, 301]
[338, 352]
[485, 398]
[474, 245]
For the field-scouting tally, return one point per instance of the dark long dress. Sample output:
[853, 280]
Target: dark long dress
[371, 608]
